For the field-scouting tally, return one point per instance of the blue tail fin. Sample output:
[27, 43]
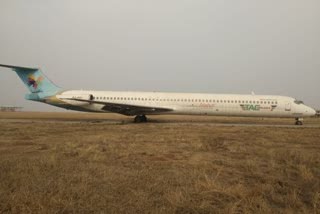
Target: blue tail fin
[35, 80]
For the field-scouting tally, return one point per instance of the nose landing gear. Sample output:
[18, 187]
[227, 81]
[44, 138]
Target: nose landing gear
[140, 119]
[299, 121]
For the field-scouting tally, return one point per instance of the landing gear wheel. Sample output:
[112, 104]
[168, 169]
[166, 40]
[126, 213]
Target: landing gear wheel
[140, 119]
[299, 121]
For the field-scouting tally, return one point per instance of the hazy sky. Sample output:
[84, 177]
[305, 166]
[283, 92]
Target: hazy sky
[225, 46]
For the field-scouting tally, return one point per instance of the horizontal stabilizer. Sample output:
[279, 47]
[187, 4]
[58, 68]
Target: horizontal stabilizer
[19, 67]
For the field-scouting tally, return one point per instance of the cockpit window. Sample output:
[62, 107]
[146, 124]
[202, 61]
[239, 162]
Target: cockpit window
[298, 102]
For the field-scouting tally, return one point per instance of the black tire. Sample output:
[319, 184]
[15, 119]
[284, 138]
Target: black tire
[140, 119]
[137, 119]
[144, 118]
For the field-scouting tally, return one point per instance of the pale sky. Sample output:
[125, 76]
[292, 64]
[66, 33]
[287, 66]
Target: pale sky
[225, 46]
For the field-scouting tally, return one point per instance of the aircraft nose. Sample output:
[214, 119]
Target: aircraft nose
[311, 112]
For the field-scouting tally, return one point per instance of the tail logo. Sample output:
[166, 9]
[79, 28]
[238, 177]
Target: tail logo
[34, 82]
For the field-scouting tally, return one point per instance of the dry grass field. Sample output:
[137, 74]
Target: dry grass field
[93, 163]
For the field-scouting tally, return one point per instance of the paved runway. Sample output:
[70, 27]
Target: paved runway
[128, 122]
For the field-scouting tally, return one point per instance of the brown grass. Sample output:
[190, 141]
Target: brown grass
[78, 163]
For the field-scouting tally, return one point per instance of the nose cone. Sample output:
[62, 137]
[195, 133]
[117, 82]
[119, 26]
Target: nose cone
[311, 112]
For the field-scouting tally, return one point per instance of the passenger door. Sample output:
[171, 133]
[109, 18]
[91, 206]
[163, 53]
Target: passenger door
[288, 107]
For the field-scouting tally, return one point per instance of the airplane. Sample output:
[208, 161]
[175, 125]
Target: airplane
[140, 104]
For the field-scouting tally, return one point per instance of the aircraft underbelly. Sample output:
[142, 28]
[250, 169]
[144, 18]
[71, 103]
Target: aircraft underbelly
[210, 110]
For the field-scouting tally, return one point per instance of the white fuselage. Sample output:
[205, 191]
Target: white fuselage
[190, 103]
[140, 104]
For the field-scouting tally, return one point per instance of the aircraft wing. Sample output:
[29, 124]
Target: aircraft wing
[126, 109]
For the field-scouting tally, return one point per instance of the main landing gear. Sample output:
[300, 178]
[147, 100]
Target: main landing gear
[140, 119]
[299, 121]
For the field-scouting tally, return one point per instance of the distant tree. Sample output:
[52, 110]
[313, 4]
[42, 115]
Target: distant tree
[10, 108]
